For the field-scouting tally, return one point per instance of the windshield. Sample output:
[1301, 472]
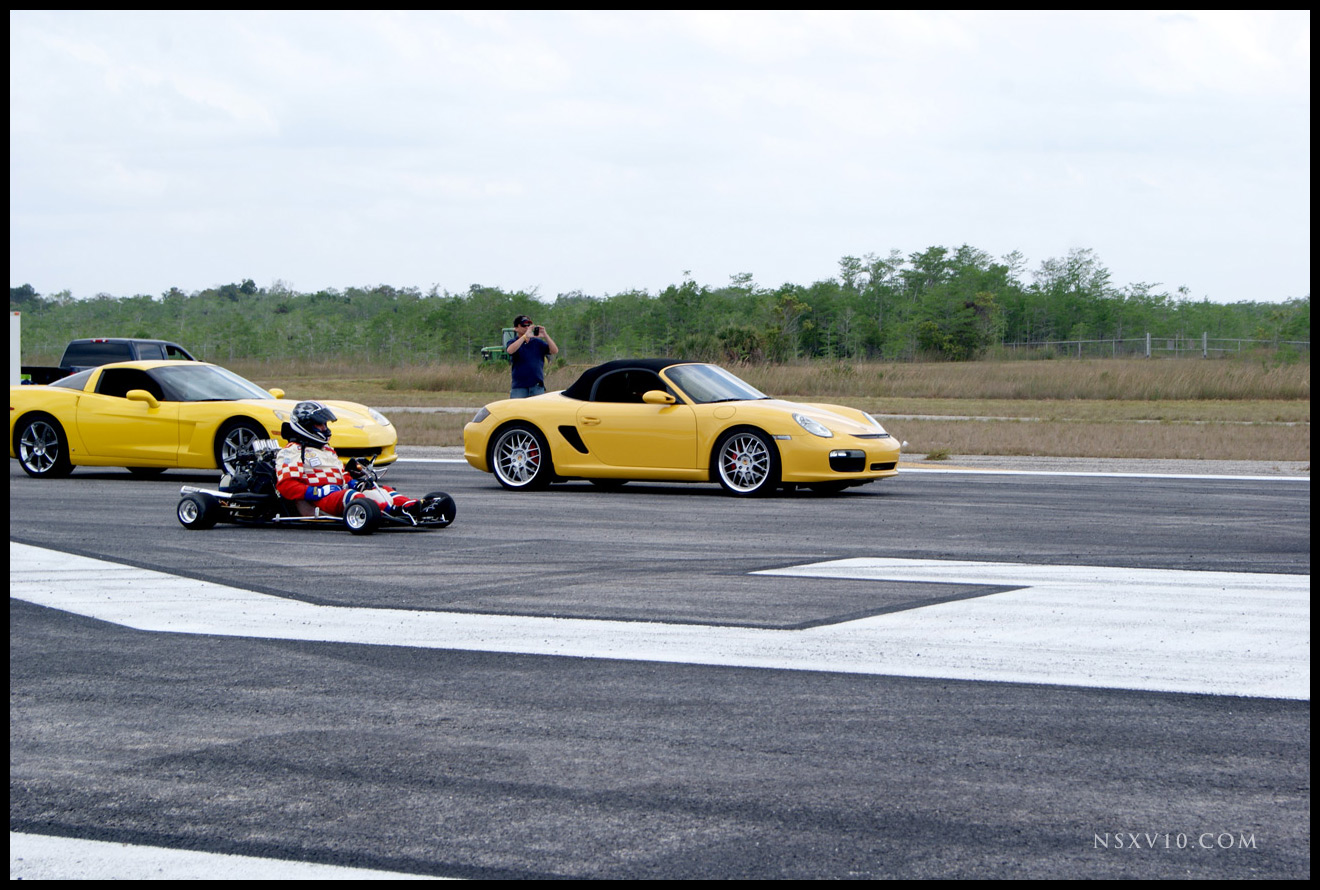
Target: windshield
[205, 383]
[707, 383]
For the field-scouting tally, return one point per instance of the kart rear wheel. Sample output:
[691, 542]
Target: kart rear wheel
[198, 511]
[438, 509]
[362, 516]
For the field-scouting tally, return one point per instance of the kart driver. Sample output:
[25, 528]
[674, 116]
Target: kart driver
[308, 470]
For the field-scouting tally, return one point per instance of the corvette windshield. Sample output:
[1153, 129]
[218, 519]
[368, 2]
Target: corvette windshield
[708, 383]
[206, 383]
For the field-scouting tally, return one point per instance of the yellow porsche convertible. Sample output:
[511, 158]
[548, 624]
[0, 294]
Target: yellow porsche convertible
[675, 421]
[149, 416]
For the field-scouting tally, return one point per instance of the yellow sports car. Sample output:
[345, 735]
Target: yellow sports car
[150, 416]
[674, 421]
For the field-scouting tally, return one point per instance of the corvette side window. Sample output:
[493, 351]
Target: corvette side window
[118, 381]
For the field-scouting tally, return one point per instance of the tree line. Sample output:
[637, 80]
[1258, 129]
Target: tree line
[950, 304]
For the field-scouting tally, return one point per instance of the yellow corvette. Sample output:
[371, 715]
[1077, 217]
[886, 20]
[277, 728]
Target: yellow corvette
[674, 421]
[152, 415]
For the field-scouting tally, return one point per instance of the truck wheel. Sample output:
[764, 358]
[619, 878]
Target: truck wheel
[42, 447]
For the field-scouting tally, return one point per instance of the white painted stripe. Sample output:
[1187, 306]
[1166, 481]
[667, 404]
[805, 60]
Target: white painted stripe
[903, 471]
[38, 857]
[1106, 475]
[1178, 631]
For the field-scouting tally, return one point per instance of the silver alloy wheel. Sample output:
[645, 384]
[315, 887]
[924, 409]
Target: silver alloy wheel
[39, 447]
[518, 457]
[189, 510]
[240, 436]
[42, 449]
[745, 463]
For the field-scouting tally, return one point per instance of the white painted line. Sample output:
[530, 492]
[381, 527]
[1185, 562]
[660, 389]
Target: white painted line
[39, 857]
[1176, 631]
[903, 471]
[1105, 475]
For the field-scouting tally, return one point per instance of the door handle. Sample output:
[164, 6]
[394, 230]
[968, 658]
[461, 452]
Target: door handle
[590, 421]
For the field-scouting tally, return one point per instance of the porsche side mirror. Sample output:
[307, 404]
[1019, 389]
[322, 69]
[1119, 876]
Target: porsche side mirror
[141, 395]
[658, 397]
[277, 393]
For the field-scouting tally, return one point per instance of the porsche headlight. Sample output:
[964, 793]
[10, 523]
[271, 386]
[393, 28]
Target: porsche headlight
[378, 417]
[815, 427]
[481, 415]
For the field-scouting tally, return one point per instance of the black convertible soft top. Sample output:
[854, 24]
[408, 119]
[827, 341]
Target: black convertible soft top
[581, 388]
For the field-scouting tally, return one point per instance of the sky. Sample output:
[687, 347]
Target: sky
[603, 152]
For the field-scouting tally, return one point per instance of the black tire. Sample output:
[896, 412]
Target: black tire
[520, 458]
[198, 511]
[362, 516]
[746, 463]
[42, 448]
[231, 437]
[440, 509]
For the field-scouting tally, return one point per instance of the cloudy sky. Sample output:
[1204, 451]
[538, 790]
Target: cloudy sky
[603, 152]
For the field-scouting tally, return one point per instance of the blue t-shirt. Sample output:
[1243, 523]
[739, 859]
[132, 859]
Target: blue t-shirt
[529, 363]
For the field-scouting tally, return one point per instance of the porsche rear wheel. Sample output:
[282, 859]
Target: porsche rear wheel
[747, 463]
[520, 458]
[42, 447]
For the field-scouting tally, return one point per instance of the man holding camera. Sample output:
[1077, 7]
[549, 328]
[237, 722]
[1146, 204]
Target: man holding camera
[527, 352]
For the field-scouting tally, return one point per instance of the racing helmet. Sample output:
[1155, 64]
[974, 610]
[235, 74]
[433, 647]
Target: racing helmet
[309, 423]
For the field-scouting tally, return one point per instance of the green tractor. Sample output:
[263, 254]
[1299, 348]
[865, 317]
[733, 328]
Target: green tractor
[497, 353]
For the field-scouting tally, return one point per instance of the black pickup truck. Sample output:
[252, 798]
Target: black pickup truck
[93, 352]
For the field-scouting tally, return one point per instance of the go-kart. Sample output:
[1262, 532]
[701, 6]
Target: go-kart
[247, 496]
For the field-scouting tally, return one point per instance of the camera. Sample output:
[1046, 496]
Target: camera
[537, 330]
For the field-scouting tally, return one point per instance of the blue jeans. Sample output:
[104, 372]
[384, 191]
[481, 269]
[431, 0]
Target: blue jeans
[522, 392]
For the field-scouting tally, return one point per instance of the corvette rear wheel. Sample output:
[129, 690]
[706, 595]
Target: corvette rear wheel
[42, 448]
[747, 463]
[520, 458]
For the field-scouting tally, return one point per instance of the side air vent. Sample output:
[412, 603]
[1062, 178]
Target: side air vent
[572, 437]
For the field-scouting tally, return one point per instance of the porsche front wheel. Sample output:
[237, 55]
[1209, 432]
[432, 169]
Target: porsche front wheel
[520, 458]
[747, 463]
[42, 447]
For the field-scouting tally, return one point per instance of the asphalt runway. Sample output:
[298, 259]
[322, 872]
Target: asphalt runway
[581, 683]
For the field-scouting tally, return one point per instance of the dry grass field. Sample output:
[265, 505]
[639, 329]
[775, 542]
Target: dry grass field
[1238, 409]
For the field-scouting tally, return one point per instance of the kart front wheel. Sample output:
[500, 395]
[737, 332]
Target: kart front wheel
[198, 511]
[362, 516]
[438, 509]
